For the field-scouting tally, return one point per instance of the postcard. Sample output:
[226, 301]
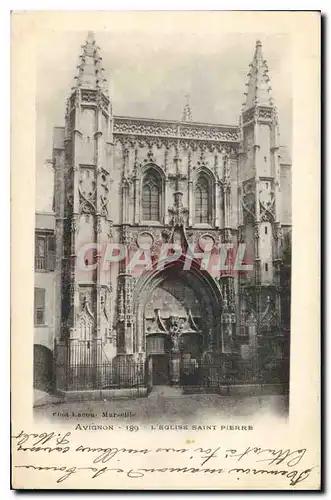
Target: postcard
[165, 250]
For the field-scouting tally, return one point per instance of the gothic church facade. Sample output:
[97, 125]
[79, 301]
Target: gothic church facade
[146, 182]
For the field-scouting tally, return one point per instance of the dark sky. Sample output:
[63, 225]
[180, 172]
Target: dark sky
[149, 73]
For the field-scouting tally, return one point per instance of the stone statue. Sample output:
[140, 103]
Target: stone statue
[175, 333]
[175, 341]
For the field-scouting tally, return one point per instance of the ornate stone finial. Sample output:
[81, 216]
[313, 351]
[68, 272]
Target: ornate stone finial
[187, 113]
[178, 212]
[90, 37]
[258, 87]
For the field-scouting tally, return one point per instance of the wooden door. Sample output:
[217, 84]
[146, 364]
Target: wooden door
[160, 369]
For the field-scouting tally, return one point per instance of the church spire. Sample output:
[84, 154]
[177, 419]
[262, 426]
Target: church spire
[258, 87]
[187, 113]
[90, 69]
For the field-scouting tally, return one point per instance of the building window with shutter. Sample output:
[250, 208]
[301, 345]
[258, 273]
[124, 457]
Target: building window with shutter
[45, 252]
[202, 200]
[151, 194]
[39, 306]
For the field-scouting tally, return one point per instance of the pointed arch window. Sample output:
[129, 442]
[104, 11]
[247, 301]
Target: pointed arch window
[151, 194]
[202, 200]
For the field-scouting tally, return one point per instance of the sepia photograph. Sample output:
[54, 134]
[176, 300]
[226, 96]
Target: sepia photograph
[163, 226]
[165, 250]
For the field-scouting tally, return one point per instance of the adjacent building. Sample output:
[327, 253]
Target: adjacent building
[44, 300]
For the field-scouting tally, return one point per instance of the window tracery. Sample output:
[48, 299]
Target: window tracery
[203, 200]
[151, 195]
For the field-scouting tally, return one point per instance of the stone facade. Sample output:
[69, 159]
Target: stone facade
[137, 182]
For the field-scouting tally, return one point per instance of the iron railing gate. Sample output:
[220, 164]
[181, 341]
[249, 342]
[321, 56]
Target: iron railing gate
[210, 376]
[84, 365]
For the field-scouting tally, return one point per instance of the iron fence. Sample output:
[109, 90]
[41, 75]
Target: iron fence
[83, 365]
[238, 372]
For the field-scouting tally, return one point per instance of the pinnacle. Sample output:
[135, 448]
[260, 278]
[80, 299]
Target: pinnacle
[90, 37]
[258, 87]
[90, 70]
[187, 112]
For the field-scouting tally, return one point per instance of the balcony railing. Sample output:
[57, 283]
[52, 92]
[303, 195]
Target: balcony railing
[45, 263]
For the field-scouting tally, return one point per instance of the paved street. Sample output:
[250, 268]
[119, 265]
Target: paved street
[169, 405]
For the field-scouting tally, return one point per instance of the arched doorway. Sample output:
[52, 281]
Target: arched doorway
[177, 318]
[42, 368]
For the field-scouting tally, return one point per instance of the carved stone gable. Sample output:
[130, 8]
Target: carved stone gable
[85, 324]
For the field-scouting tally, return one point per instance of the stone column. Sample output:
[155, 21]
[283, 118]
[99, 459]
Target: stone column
[217, 203]
[225, 206]
[74, 271]
[166, 201]
[175, 356]
[190, 202]
[228, 319]
[257, 259]
[136, 193]
[190, 188]
[98, 221]
[175, 368]
[136, 200]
